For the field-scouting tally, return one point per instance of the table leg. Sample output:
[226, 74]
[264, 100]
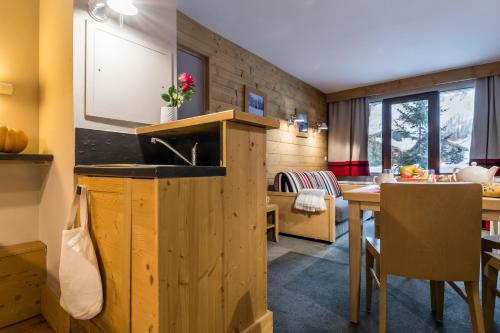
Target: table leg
[277, 224]
[494, 227]
[354, 258]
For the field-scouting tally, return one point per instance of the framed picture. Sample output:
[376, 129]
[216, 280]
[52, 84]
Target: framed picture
[302, 125]
[255, 101]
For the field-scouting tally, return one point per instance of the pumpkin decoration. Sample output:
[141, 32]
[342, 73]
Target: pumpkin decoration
[12, 140]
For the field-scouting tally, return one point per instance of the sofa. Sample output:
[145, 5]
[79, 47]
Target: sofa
[326, 226]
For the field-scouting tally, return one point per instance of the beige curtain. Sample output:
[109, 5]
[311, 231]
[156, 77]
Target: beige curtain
[348, 138]
[485, 145]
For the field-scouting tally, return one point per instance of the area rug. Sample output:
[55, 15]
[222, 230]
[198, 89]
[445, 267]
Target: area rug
[308, 294]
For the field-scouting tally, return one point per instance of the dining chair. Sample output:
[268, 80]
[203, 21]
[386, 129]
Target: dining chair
[416, 242]
[490, 264]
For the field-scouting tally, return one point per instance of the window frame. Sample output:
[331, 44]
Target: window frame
[432, 98]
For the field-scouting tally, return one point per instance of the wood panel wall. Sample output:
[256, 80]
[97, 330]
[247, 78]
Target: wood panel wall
[22, 275]
[231, 67]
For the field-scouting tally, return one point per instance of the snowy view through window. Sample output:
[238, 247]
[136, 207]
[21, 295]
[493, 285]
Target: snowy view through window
[457, 111]
[409, 132]
[375, 137]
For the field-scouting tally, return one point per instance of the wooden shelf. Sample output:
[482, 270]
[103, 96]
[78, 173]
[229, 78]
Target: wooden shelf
[26, 158]
[209, 120]
[270, 226]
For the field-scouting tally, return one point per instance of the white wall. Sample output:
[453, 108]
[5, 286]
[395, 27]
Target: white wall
[57, 134]
[19, 197]
[155, 24]
[19, 183]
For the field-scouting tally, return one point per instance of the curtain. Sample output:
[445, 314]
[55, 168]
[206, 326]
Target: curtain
[348, 138]
[485, 145]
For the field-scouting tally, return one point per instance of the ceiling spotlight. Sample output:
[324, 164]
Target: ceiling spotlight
[123, 7]
[99, 9]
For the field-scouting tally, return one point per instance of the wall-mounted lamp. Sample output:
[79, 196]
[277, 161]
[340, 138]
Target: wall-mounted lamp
[6, 88]
[123, 7]
[294, 120]
[321, 127]
[98, 9]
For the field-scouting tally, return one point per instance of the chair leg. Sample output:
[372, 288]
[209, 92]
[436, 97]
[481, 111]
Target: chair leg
[382, 307]
[476, 313]
[369, 280]
[432, 288]
[489, 301]
[484, 259]
[439, 301]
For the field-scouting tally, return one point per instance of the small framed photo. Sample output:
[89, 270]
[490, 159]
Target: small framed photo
[255, 101]
[302, 125]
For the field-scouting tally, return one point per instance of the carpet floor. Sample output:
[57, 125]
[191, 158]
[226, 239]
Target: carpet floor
[308, 292]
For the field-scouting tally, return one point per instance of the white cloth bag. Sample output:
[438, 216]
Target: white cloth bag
[81, 286]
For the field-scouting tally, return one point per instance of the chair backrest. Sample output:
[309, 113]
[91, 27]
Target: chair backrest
[431, 231]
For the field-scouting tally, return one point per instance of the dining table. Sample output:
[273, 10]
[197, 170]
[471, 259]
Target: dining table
[367, 198]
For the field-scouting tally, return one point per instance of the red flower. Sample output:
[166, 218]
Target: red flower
[185, 87]
[186, 78]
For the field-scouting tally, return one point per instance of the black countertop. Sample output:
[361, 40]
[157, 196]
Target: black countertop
[149, 171]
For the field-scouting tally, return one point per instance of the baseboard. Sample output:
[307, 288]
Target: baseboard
[23, 272]
[53, 313]
[263, 325]
[36, 324]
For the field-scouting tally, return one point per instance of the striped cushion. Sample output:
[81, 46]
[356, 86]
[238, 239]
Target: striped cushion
[296, 181]
[328, 181]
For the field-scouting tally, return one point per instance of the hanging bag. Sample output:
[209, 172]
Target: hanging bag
[81, 286]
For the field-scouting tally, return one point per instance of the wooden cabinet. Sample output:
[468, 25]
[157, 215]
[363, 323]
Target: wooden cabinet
[159, 244]
[187, 254]
[111, 231]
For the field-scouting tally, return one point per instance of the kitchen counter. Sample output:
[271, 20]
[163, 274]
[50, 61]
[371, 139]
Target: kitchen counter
[149, 171]
[154, 237]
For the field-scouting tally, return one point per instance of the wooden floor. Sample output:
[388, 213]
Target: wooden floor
[34, 325]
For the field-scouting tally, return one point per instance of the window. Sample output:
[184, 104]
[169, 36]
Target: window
[375, 137]
[409, 126]
[432, 129]
[456, 114]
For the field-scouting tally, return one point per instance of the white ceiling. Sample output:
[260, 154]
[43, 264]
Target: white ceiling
[340, 44]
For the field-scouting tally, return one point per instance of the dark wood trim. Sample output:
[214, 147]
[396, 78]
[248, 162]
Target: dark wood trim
[433, 127]
[418, 82]
[386, 135]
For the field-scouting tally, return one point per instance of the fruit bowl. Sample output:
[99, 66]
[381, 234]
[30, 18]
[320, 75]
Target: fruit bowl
[415, 179]
[412, 173]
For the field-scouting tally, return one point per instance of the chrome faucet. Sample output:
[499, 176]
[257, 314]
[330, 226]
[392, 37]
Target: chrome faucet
[193, 154]
[193, 151]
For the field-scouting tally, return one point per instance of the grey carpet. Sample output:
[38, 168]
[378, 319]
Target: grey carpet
[308, 293]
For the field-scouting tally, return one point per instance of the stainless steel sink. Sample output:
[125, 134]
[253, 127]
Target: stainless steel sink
[124, 165]
[117, 165]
